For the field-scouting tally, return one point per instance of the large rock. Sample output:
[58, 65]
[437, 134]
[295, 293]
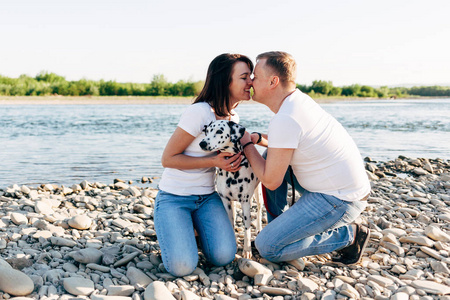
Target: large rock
[15, 282]
[78, 286]
[437, 234]
[431, 287]
[157, 291]
[87, 256]
[251, 268]
[59, 241]
[80, 222]
[136, 276]
[19, 219]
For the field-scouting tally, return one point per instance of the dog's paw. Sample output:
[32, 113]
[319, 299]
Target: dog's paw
[247, 254]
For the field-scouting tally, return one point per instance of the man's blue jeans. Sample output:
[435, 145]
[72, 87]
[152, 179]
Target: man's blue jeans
[175, 219]
[315, 224]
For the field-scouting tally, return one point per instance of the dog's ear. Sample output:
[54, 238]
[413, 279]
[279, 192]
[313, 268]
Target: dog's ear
[206, 126]
[237, 131]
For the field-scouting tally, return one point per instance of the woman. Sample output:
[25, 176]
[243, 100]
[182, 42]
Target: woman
[187, 199]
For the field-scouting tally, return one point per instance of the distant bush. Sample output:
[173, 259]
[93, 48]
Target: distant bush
[438, 91]
[46, 83]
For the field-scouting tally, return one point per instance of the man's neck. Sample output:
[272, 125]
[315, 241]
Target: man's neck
[279, 98]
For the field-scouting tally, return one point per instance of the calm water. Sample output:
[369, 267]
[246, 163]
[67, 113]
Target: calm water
[65, 144]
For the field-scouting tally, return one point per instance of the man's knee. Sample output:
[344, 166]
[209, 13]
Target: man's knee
[266, 249]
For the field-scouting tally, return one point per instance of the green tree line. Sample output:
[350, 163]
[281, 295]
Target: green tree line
[326, 88]
[45, 84]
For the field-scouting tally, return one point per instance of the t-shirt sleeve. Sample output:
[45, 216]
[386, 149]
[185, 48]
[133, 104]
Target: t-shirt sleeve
[283, 132]
[194, 119]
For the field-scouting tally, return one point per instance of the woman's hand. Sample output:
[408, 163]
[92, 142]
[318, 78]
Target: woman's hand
[228, 162]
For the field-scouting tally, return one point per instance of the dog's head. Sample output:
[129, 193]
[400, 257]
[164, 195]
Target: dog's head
[222, 136]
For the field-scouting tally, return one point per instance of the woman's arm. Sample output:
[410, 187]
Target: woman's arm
[173, 156]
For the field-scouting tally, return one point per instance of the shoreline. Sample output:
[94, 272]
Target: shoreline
[97, 241]
[146, 100]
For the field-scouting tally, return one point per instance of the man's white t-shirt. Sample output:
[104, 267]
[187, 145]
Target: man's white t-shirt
[194, 181]
[325, 159]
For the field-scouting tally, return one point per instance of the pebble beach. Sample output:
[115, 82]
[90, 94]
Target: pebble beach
[94, 240]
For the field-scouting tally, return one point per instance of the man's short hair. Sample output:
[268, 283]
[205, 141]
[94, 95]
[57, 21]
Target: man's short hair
[282, 63]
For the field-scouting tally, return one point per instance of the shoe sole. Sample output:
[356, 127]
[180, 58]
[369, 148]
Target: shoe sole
[363, 248]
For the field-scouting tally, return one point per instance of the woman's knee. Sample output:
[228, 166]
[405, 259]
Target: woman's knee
[223, 256]
[181, 267]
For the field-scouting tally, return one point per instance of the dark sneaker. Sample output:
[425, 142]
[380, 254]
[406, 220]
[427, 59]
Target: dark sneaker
[352, 254]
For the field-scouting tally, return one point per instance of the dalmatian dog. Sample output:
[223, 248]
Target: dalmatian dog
[224, 136]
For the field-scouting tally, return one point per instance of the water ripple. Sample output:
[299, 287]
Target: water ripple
[69, 143]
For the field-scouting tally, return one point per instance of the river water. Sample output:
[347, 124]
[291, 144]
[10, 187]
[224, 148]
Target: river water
[66, 144]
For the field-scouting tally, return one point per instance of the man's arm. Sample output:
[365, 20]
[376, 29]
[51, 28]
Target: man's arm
[271, 170]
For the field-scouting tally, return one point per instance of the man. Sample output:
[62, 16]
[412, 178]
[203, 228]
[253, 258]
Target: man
[326, 168]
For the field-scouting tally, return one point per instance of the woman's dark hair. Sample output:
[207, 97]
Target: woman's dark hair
[216, 91]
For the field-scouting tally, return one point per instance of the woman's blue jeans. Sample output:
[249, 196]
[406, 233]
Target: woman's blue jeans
[175, 219]
[315, 224]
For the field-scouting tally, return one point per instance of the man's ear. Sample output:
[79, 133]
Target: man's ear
[274, 81]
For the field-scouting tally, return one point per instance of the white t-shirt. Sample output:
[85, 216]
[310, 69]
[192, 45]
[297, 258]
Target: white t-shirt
[194, 181]
[325, 159]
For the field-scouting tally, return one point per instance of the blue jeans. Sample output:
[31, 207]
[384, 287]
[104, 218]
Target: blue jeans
[175, 219]
[315, 224]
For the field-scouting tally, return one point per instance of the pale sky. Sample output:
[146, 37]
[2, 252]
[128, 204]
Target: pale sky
[384, 42]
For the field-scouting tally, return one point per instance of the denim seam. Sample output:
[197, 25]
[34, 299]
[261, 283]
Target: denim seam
[161, 241]
[274, 248]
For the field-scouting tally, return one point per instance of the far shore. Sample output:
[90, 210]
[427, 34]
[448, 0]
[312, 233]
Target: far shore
[133, 100]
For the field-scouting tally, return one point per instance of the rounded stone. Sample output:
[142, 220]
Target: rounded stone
[78, 286]
[87, 256]
[251, 268]
[157, 291]
[15, 282]
[19, 219]
[80, 222]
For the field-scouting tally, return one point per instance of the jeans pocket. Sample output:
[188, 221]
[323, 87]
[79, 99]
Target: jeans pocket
[333, 201]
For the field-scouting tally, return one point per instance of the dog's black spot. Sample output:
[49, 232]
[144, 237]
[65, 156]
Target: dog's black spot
[236, 174]
[245, 218]
[228, 182]
[241, 188]
[252, 176]
[240, 180]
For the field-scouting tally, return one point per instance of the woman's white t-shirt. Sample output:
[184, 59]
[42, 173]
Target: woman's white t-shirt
[325, 159]
[194, 181]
